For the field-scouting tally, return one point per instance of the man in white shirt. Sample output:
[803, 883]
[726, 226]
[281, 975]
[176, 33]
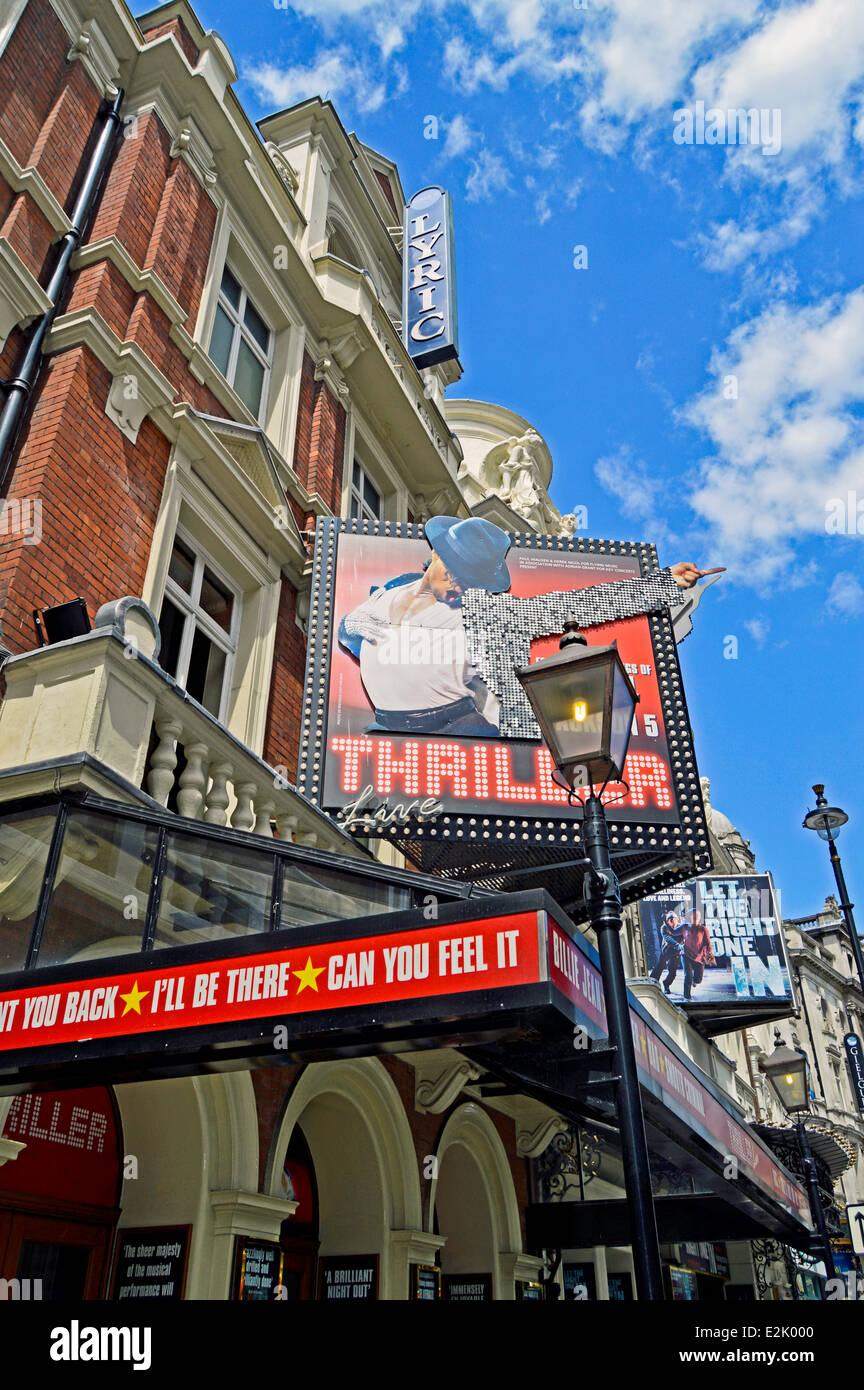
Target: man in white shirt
[426, 663]
[410, 639]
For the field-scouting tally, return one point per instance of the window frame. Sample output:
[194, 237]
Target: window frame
[356, 494]
[241, 332]
[194, 616]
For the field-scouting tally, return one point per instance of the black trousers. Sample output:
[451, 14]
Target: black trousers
[668, 960]
[693, 972]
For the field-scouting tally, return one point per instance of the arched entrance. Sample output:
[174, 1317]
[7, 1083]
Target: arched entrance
[475, 1210]
[346, 1121]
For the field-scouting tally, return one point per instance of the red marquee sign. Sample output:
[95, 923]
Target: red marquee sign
[484, 970]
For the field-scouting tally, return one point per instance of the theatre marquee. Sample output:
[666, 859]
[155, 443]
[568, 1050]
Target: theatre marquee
[473, 791]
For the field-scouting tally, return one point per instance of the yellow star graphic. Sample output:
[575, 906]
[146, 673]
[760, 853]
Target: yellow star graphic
[308, 976]
[132, 1000]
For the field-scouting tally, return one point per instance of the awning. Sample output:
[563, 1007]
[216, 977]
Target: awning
[252, 950]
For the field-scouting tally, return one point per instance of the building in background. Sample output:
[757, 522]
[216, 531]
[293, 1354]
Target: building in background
[225, 366]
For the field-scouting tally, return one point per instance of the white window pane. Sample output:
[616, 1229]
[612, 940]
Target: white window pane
[182, 566]
[256, 326]
[249, 378]
[220, 341]
[216, 600]
[231, 288]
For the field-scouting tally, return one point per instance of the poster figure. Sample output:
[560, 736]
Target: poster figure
[697, 953]
[717, 939]
[671, 948]
[426, 661]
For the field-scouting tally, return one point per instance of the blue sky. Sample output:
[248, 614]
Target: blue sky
[700, 383]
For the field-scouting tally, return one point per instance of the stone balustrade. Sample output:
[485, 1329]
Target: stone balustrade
[99, 710]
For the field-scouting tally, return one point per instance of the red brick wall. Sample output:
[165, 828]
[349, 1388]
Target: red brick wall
[180, 245]
[282, 741]
[99, 495]
[318, 459]
[320, 442]
[176, 27]
[131, 199]
[27, 88]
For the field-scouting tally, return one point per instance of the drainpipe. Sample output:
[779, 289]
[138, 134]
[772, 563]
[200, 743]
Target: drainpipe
[20, 387]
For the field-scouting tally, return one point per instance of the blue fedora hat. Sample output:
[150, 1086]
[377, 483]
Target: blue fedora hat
[473, 551]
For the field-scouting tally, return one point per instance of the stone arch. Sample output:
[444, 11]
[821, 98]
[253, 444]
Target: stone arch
[366, 1169]
[475, 1200]
[194, 1142]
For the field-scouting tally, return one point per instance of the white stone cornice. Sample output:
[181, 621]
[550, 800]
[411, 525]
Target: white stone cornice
[91, 47]
[123, 360]
[22, 298]
[10, 1149]
[436, 1089]
[190, 145]
[153, 93]
[283, 166]
[421, 1246]
[217, 469]
[31, 182]
[142, 281]
[137, 390]
[326, 370]
[277, 208]
[525, 1268]
[249, 1213]
[12, 12]
[530, 1143]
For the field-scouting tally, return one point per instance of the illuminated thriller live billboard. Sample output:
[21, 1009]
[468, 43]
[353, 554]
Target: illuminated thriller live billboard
[415, 727]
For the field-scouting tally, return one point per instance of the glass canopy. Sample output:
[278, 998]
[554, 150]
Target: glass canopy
[83, 879]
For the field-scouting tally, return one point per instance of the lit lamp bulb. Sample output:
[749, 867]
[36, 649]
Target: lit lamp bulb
[790, 1080]
[580, 709]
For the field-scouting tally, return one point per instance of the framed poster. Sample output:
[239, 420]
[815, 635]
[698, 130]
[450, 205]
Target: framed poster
[620, 1287]
[716, 943]
[580, 1283]
[258, 1267]
[683, 1284]
[150, 1262]
[529, 1289]
[348, 1278]
[425, 1282]
[468, 1288]
[415, 726]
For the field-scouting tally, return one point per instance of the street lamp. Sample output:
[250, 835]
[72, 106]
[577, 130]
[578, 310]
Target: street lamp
[584, 702]
[786, 1070]
[826, 821]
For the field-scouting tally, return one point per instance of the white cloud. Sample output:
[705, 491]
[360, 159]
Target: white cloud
[846, 596]
[460, 137]
[469, 70]
[783, 418]
[641, 497]
[803, 59]
[489, 175]
[335, 74]
[758, 629]
[621, 67]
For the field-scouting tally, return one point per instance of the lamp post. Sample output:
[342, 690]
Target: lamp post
[786, 1069]
[584, 702]
[826, 821]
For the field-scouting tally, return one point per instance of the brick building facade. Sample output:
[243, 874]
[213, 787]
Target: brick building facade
[224, 366]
